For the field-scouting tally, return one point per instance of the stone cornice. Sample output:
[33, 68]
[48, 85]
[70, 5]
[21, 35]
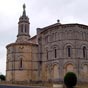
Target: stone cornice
[13, 44]
[57, 25]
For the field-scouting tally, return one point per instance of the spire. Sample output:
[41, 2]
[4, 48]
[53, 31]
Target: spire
[24, 12]
[23, 27]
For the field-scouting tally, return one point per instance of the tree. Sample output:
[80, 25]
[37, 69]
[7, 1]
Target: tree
[70, 79]
[2, 77]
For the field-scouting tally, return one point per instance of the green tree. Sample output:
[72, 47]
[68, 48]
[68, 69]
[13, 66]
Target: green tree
[2, 77]
[70, 79]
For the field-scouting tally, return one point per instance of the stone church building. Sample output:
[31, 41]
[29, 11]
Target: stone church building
[55, 50]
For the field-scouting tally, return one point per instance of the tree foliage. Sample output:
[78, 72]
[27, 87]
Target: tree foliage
[2, 77]
[70, 79]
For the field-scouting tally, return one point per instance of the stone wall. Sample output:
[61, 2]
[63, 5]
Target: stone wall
[22, 63]
[62, 51]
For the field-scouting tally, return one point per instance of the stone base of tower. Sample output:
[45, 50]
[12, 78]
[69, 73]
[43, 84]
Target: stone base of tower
[20, 76]
[22, 64]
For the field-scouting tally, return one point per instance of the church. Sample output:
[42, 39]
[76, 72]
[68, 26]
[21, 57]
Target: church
[55, 50]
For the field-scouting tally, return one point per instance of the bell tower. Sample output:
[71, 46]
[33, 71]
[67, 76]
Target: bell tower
[23, 27]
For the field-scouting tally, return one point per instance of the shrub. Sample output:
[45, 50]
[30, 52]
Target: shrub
[70, 79]
[2, 77]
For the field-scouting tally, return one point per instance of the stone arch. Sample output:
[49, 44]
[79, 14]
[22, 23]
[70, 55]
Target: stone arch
[55, 69]
[20, 62]
[85, 70]
[68, 44]
[68, 50]
[54, 50]
[68, 67]
[84, 45]
[20, 56]
[84, 51]
[55, 46]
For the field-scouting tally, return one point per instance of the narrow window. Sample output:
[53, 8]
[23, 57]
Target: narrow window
[21, 63]
[69, 51]
[47, 55]
[25, 28]
[84, 51]
[55, 52]
[22, 28]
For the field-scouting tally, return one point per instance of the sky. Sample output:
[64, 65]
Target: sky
[41, 13]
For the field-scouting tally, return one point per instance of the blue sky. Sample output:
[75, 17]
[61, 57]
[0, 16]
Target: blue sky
[41, 13]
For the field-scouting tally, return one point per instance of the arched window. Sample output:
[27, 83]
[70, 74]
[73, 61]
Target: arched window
[25, 28]
[21, 63]
[22, 28]
[84, 52]
[69, 51]
[47, 54]
[55, 53]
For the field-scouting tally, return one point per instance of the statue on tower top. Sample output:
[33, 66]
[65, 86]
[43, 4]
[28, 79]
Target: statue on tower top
[24, 12]
[24, 6]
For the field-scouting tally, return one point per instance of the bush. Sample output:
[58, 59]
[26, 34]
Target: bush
[70, 79]
[2, 77]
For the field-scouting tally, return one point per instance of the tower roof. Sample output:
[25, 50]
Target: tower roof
[24, 18]
[23, 27]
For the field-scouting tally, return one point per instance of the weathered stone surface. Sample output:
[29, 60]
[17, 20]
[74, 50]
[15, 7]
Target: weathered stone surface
[48, 56]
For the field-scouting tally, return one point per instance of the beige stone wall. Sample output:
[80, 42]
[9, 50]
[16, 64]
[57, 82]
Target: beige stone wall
[40, 63]
[34, 39]
[28, 54]
[59, 37]
[8, 76]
